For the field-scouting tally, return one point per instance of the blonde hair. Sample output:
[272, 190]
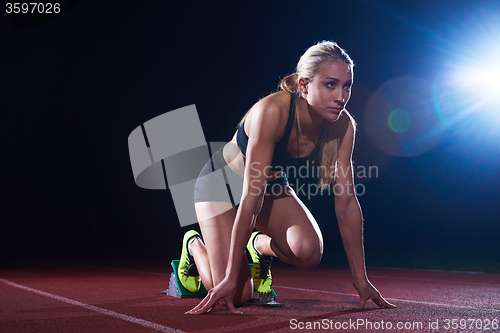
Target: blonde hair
[307, 67]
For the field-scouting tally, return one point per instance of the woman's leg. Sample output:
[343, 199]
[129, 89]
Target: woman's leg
[290, 232]
[211, 259]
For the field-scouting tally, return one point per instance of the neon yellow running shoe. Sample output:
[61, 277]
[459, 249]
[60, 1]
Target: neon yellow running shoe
[261, 267]
[188, 273]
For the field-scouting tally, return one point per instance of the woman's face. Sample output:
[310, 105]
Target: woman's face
[330, 89]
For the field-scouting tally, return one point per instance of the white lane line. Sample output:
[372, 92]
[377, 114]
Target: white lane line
[393, 299]
[436, 280]
[121, 316]
[347, 273]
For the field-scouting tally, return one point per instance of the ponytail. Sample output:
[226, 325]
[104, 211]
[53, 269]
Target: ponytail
[289, 83]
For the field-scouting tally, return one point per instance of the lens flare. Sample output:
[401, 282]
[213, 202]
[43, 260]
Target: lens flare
[401, 120]
[469, 95]
[466, 93]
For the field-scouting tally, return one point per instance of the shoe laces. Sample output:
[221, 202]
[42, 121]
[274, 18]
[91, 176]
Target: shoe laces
[265, 265]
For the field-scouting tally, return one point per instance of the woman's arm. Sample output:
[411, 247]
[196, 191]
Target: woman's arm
[349, 215]
[265, 122]
[263, 135]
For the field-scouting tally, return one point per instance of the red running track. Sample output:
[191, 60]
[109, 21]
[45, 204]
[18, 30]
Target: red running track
[128, 299]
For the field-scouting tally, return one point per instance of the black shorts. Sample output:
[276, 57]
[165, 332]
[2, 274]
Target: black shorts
[218, 182]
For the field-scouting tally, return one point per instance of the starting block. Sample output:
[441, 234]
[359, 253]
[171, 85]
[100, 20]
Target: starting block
[175, 289]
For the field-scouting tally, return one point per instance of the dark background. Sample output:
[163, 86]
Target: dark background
[73, 89]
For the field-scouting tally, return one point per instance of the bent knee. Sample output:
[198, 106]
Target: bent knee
[310, 262]
[308, 253]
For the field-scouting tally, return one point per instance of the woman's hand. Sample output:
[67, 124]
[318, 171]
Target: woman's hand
[223, 292]
[367, 291]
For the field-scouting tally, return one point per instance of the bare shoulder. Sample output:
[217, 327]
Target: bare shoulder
[272, 105]
[346, 126]
[270, 114]
[346, 121]
[346, 132]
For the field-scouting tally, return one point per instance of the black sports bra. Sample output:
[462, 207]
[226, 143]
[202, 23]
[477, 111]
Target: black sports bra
[281, 157]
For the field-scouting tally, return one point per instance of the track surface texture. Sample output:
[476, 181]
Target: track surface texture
[127, 298]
